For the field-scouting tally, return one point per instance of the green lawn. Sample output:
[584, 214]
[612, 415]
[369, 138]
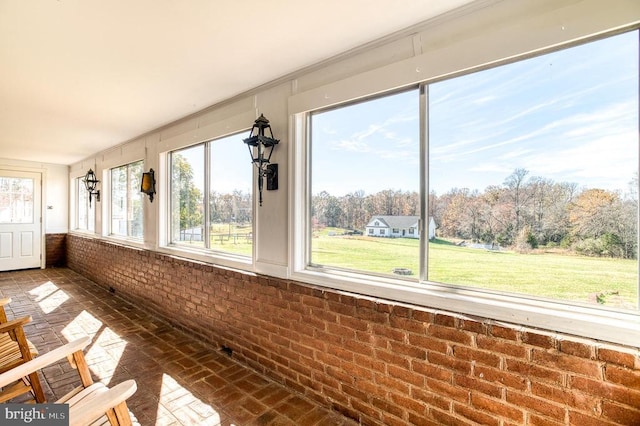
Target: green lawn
[558, 276]
[232, 238]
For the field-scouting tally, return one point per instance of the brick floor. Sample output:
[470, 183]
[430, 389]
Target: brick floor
[181, 380]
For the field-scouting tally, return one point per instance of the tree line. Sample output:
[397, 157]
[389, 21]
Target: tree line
[188, 200]
[523, 213]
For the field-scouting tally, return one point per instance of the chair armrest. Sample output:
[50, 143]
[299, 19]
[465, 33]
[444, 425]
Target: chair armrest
[3, 314]
[13, 324]
[84, 413]
[42, 361]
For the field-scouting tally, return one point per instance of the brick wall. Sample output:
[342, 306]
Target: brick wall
[56, 250]
[379, 362]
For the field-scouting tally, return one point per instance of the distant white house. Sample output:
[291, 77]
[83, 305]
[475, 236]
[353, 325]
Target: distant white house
[397, 226]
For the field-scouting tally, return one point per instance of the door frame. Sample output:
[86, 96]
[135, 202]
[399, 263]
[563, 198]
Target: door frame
[43, 179]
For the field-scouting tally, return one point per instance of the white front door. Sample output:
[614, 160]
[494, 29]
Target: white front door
[20, 220]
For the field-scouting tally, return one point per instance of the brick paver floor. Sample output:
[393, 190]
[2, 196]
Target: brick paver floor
[181, 380]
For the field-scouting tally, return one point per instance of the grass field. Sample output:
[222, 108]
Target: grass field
[232, 238]
[553, 275]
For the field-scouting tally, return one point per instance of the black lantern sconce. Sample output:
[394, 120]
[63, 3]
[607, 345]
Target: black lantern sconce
[90, 182]
[148, 184]
[258, 143]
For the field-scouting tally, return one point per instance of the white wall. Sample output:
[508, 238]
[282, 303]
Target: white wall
[56, 218]
[485, 33]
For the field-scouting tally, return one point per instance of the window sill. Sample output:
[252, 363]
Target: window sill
[84, 233]
[124, 241]
[602, 324]
[209, 257]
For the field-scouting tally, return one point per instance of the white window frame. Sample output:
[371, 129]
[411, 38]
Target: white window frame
[115, 157]
[206, 130]
[76, 189]
[593, 322]
[108, 198]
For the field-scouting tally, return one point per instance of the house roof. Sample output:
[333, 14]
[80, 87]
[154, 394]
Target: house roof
[399, 222]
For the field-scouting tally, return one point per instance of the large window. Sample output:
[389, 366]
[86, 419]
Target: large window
[211, 197]
[365, 180]
[530, 178]
[85, 211]
[534, 174]
[126, 200]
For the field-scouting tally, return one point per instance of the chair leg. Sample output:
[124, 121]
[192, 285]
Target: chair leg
[119, 415]
[25, 351]
[36, 388]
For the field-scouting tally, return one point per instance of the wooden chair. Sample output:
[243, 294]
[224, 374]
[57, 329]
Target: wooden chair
[16, 349]
[90, 403]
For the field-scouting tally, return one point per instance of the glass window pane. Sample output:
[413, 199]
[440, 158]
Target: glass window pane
[187, 196]
[365, 186]
[134, 200]
[533, 173]
[16, 200]
[230, 199]
[86, 212]
[119, 201]
[126, 200]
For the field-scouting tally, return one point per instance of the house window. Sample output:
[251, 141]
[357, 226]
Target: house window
[85, 212]
[211, 198]
[126, 200]
[365, 163]
[531, 175]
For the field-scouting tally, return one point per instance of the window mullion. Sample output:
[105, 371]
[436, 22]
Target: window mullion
[206, 195]
[128, 213]
[424, 183]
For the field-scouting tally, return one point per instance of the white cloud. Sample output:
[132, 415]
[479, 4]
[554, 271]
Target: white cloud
[352, 145]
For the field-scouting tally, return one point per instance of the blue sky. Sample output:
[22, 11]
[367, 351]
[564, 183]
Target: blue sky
[231, 166]
[568, 116]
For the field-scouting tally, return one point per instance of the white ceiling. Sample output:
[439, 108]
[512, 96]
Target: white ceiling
[79, 76]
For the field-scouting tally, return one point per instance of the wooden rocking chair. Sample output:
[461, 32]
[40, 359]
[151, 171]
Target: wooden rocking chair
[16, 349]
[90, 403]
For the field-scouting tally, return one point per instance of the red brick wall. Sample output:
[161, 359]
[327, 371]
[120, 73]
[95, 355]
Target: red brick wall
[382, 363]
[56, 250]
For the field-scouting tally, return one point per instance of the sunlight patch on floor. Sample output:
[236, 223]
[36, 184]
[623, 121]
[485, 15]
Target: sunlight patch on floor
[82, 325]
[49, 297]
[183, 405]
[104, 353]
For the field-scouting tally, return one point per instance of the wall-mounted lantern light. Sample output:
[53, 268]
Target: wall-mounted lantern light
[258, 143]
[148, 184]
[90, 182]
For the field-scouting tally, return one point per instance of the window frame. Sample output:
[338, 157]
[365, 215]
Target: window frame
[109, 199]
[590, 321]
[166, 245]
[77, 188]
